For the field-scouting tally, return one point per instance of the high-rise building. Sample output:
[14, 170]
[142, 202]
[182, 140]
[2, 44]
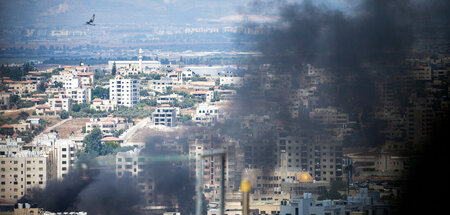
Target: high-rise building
[20, 172]
[124, 91]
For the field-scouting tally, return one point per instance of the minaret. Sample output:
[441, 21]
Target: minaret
[140, 60]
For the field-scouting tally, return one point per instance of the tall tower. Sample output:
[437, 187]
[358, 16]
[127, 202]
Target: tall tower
[140, 60]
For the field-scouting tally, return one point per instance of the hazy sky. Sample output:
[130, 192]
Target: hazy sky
[76, 12]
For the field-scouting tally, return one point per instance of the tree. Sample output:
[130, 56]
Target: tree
[14, 99]
[64, 114]
[114, 70]
[91, 142]
[100, 92]
[109, 147]
[23, 115]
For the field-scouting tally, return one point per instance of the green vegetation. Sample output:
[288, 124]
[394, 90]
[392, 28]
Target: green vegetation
[198, 78]
[133, 112]
[100, 92]
[16, 72]
[147, 102]
[57, 85]
[64, 114]
[93, 146]
[18, 103]
[185, 119]
[216, 97]
[57, 71]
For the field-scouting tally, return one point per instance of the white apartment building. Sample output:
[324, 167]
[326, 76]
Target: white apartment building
[80, 95]
[124, 91]
[233, 80]
[207, 114]
[103, 105]
[72, 83]
[165, 115]
[59, 104]
[168, 98]
[63, 157]
[107, 125]
[160, 85]
[20, 172]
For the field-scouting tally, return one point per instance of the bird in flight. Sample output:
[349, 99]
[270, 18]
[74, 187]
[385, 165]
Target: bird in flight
[91, 21]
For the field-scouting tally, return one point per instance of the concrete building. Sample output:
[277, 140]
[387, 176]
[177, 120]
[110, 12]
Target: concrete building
[318, 155]
[165, 115]
[103, 105]
[59, 104]
[167, 99]
[140, 65]
[4, 100]
[131, 164]
[159, 85]
[124, 91]
[80, 95]
[207, 114]
[363, 203]
[231, 80]
[20, 172]
[22, 87]
[107, 125]
[63, 158]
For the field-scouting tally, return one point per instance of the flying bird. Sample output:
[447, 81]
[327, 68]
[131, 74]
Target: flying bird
[91, 21]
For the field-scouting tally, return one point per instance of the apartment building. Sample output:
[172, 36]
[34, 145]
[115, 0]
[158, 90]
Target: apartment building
[21, 87]
[63, 157]
[80, 95]
[318, 155]
[59, 104]
[131, 164]
[167, 99]
[107, 125]
[4, 100]
[165, 115]
[20, 172]
[103, 105]
[159, 85]
[124, 91]
[207, 114]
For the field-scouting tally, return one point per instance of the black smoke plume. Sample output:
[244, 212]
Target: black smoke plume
[358, 48]
[174, 187]
[90, 190]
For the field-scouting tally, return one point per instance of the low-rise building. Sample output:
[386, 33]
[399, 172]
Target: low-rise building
[108, 126]
[80, 95]
[166, 99]
[21, 87]
[4, 100]
[207, 114]
[159, 85]
[165, 115]
[103, 105]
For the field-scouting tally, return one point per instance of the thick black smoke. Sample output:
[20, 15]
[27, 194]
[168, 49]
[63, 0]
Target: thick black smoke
[90, 190]
[359, 48]
[173, 185]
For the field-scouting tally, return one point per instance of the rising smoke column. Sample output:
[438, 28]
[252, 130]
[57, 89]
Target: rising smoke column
[359, 48]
